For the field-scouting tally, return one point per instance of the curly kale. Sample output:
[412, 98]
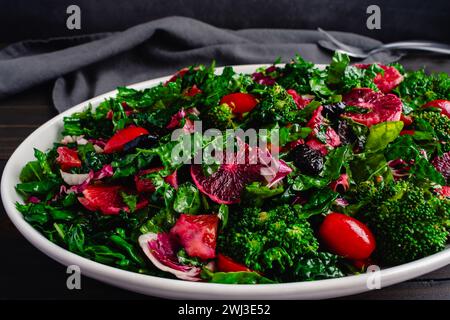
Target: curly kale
[296, 75]
[321, 265]
[417, 88]
[408, 221]
[279, 243]
[219, 117]
[340, 77]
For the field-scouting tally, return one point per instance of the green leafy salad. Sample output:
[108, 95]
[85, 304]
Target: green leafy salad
[351, 169]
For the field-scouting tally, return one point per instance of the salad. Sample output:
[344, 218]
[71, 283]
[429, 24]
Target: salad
[351, 169]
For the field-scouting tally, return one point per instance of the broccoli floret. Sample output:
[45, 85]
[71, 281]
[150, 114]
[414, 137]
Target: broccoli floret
[271, 242]
[439, 122]
[276, 106]
[219, 117]
[408, 221]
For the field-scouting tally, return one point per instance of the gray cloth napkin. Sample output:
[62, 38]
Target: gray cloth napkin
[86, 66]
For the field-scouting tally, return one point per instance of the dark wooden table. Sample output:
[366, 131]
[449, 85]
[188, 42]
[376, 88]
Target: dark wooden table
[26, 273]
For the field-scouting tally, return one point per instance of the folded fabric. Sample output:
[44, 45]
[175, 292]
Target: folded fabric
[86, 66]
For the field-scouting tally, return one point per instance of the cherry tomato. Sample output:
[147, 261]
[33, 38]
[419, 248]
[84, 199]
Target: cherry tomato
[444, 105]
[362, 264]
[346, 236]
[122, 137]
[226, 264]
[67, 158]
[240, 102]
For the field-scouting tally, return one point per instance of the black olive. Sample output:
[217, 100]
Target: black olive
[307, 160]
[184, 174]
[144, 142]
[344, 132]
[347, 136]
[333, 111]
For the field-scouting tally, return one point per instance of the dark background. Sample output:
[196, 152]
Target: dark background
[25, 272]
[400, 19]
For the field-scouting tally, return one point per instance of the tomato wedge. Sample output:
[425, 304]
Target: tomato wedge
[240, 102]
[226, 264]
[122, 137]
[346, 236]
[67, 158]
[197, 234]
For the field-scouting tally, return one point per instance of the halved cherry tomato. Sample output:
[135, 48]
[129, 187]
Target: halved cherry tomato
[346, 236]
[67, 158]
[444, 105]
[122, 137]
[226, 264]
[240, 102]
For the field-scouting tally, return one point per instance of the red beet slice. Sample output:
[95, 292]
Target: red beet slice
[382, 107]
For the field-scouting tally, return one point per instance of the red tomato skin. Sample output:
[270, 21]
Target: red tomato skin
[444, 105]
[407, 132]
[122, 137]
[143, 184]
[407, 120]
[226, 264]
[197, 234]
[362, 264]
[67, 158]
[346, 236]
[444, 191]
[298, 99]
[239, 102]
[179, 74]
[193, 91]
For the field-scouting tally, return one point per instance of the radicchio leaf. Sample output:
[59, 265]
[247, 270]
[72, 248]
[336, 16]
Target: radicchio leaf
[160, 249]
